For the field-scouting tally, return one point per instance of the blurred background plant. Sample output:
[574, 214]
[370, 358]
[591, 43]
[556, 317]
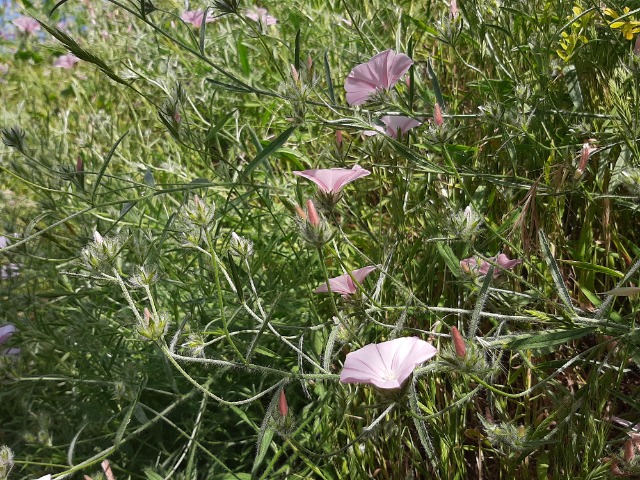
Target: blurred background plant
[163, 295]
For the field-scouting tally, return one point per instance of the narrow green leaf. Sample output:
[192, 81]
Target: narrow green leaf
[563, 293]
[57, 5]
[482, 298]
[149, 181]
[151, 475]
[622, 291]
[268, 150]
[412, 86]
[436, 85]
[125, 422]
[235, 277]
[594, 268]
[80, 52]
[104, 166]
[227, 86]
[327, 74]
[203, 30]
[213, 131]
[296, 56]
[549, 339]
[263, 447]
[449, 258]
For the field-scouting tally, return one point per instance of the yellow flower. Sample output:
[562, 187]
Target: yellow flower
[625, 22]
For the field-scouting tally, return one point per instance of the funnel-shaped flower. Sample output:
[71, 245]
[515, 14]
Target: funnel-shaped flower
[386, 364]
[6, 331]
[66, 61]
[27, 25]
[344, 284]
[380, 73]
[398, 123]
[332, 180]
[477, 266]
[261, 16]
[194, 17]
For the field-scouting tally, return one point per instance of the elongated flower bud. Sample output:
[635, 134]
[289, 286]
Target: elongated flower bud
[437, 115]
[314, 219]
[458, 342]
[283, 407]
[628, 451]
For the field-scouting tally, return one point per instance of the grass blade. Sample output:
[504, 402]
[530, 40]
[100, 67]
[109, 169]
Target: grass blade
[327, 74]
[268, 150]
[555, 272]
[105, 164]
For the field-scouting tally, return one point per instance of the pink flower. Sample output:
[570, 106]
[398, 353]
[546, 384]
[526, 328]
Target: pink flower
[344, 284]
[194, 17]
[66, 61]
[380, 73]
[386, 364]
[27, 25]
[478, 267]
[8, 271]
[398, 123]
[332, 180]
[6, 331]
[261, 16]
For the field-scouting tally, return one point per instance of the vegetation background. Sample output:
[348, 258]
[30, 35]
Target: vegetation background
[168, 137]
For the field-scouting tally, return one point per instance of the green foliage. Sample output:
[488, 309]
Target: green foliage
[164, 292]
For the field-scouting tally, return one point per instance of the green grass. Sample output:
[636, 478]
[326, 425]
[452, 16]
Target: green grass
[158, 113]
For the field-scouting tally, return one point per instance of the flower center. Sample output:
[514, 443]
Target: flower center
[389, 375]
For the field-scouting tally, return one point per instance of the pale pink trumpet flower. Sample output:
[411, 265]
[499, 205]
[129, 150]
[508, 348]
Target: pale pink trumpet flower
[6, 332]
[344, 284]
[398, 124]
[388, 364]
[380, 73]
[333, 180]
[260, 15]
[194, 17]
[66, 61]
[478, 267]
[26, 25]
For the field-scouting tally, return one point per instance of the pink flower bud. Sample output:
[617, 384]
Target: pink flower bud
[458, 342]
[79, 165]
[339, 138]
[283, 408]
[147, 315]
[628, 451]
[314, 219]
[309, 62]
[453, 9]
[437, 115]
[301, 213]
[294, 74]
